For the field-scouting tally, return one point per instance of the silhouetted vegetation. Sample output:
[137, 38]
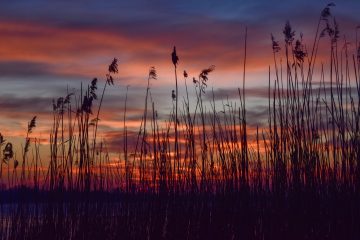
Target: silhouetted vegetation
[202, 174]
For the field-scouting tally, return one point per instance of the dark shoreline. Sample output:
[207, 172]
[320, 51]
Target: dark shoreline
[306, 214]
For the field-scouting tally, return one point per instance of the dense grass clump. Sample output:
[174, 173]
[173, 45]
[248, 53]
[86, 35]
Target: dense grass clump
[205, 173]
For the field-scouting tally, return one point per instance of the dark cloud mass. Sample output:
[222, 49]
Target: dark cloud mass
[24, 69]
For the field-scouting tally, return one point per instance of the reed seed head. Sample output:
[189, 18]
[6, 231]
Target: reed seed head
[152, 73]
[2, 140]
[113, 67]
[32, 124]
[8, 152]
[275, 45]
[289, 33]
[173, 95]
[174, 57]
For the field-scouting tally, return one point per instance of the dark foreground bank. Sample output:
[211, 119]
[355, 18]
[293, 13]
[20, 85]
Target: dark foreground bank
[301, 214]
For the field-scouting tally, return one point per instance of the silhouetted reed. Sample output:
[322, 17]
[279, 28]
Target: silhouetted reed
[205, 172]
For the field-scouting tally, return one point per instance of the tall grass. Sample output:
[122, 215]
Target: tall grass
[309, 146]
[311, 138]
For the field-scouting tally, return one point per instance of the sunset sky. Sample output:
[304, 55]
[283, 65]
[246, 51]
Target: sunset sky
[47, 47]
